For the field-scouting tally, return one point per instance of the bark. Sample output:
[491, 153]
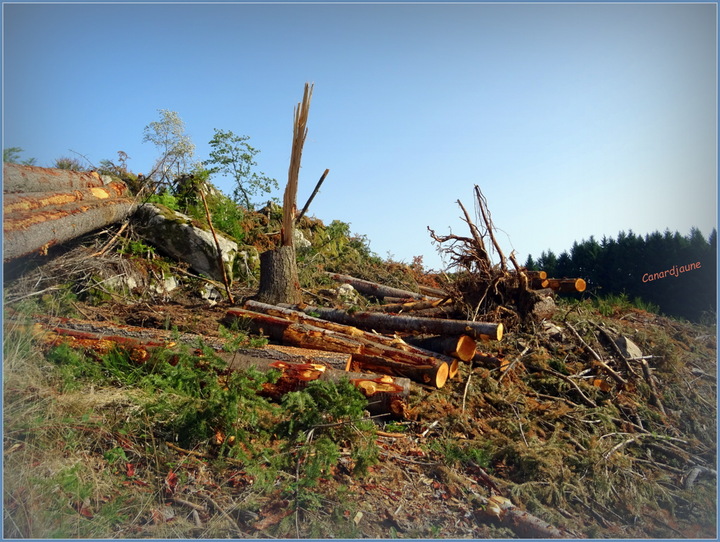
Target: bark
[36, 231]
[411, 324]
[432, 292]
[462, 347]
[279, 282]
[376, 290]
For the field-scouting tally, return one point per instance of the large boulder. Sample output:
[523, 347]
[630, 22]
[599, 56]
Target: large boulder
[180, 237]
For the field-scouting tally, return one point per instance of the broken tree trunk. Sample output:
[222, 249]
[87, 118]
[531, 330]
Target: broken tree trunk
[398, 362]
[411, 324]
[377, 290]
[279, 282]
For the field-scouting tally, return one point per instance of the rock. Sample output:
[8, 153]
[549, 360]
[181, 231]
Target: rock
[628, 348]
[210, 294]
[247, 262]
[180, 237]
[544, 307]
[347, 295]
[300, 240]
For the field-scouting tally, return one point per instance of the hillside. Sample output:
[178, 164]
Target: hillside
[551, 431]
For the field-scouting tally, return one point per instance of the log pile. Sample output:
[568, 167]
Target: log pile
[44, 207]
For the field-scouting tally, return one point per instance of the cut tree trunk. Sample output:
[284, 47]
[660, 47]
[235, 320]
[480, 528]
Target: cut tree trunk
[462, 347]
[355, 333]
[432, 375]
[19, 178]
[385, 394]
[398, 362]
[411, 324]
[566, 285]
[409, 306]
[279, 282]
[376, 290]
[37, 230]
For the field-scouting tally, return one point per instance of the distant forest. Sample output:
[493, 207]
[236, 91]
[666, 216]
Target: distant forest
[676, 273]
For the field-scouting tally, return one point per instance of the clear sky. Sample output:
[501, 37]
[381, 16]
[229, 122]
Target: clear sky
[574, 119]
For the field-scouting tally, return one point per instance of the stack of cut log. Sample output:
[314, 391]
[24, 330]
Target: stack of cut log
[44, 207]
[423, 349]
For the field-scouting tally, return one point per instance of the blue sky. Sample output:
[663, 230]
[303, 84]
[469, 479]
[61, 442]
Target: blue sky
[574, 119]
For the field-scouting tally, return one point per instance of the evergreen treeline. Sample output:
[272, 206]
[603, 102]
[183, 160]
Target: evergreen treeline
[676, 273]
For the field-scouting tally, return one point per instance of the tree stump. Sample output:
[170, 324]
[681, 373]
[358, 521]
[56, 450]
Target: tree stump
[279, 282]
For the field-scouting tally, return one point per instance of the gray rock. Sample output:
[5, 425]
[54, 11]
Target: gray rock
[628, 348]
[179, 237]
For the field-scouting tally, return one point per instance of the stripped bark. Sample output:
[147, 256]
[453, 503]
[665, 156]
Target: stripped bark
[18, 178]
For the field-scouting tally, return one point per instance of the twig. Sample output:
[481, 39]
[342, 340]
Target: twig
[111, 242]
[570, 381]
[223, 513]
[597, 357]
[312, 196]
[651, 382]
[189, 504]
[482, 203]
[467, 386]
[226, 282]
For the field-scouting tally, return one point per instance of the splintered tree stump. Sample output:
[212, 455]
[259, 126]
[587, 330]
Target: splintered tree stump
[279, 282]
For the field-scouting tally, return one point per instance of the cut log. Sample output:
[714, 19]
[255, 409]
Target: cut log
[566, 285]
[385, 394]
[38, 230]
[31, 201]
[376, 290]
[542, 275]
[363, 336]
[410, 324]
[462, 347]
[432, 292]
[18, 178]
[304, 335]
[432, 375]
